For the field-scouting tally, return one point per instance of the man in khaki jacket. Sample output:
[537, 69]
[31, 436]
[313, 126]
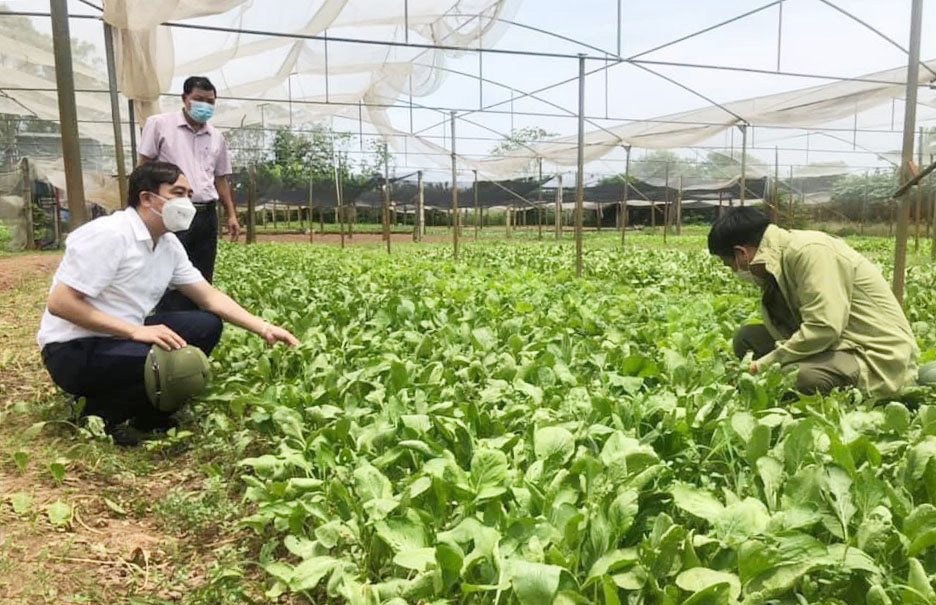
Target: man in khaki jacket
[827, 310]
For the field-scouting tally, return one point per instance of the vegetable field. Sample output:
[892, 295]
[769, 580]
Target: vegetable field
[497, 431]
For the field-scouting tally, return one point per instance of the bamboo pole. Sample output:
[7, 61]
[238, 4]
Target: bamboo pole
[864, 206]
[115, 114]
[311, 213]
[627, 151]
[775, 207]
[539, 199]
[933, 226]
[339, 208]
[580, 166]
[666, 205]
[57, 218]
[919, 197]
[386, 202]
[679, 208]
[68, 113]
[743, 181]
[477, 206]
[28, 205]
[421, 201]
[454, 192]
[252, 205]
[131, 119]
[913, 75]
[558, 217]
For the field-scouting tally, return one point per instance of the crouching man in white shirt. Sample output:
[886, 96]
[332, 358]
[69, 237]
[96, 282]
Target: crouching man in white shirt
[95, 334]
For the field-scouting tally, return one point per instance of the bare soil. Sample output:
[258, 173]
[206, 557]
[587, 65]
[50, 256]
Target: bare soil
[14, 270]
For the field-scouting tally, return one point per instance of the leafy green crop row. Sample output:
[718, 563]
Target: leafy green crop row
[497, 431]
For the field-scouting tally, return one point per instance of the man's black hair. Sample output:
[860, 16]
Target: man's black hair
[149, 177]
[743, 226]
[199, 82]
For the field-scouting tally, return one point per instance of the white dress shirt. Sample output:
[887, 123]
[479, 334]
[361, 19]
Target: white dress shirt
[114, 262]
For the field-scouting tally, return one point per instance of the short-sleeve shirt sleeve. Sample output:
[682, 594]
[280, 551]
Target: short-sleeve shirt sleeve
[92, 256]
[184, 272]
[149, 141]
[223, 162]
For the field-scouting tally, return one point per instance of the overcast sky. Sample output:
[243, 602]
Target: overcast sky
[815, 39]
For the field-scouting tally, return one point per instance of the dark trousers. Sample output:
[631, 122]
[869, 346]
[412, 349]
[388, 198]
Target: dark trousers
[201, 242]
[108, 372]
[817, 374]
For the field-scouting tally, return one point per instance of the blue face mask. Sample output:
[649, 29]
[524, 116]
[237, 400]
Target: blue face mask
[200, 111]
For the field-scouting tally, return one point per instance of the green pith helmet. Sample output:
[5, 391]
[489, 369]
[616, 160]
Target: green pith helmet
[173, 377]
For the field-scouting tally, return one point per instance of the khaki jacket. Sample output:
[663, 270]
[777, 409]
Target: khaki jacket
[841, 302]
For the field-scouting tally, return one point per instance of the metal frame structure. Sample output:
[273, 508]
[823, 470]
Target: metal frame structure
[606, 59]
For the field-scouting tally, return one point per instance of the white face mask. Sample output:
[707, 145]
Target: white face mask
[177, 213]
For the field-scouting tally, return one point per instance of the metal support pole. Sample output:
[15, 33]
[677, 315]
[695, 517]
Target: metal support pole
[913, 76]
[115, 112]
[455, 214]
[619, 27]
[743, 181]
[252, 205]
[68, 113]
[779, 31]
[386, 202]
[477, 206]
[580, 168]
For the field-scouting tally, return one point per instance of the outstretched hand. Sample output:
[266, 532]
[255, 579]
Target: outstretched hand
[274, 334]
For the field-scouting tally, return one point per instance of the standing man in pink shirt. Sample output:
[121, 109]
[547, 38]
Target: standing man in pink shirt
[186, 139]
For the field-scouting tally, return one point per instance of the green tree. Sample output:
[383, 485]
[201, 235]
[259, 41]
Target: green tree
[858, 196]
[519, 138]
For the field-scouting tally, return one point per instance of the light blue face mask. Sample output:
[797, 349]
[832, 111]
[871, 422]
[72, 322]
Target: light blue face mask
[201, 111]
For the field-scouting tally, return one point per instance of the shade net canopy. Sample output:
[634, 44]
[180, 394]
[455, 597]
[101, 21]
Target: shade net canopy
[295, 67]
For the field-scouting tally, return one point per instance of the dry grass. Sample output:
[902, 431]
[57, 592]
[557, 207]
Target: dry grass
[124, 542]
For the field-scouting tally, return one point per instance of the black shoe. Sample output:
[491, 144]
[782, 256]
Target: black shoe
[154, 422]
[126, 435]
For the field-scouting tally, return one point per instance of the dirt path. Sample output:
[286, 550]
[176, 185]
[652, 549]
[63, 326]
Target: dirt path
[82, 521]
[14, 270]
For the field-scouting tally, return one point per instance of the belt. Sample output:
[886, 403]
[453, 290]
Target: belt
[202, 206]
